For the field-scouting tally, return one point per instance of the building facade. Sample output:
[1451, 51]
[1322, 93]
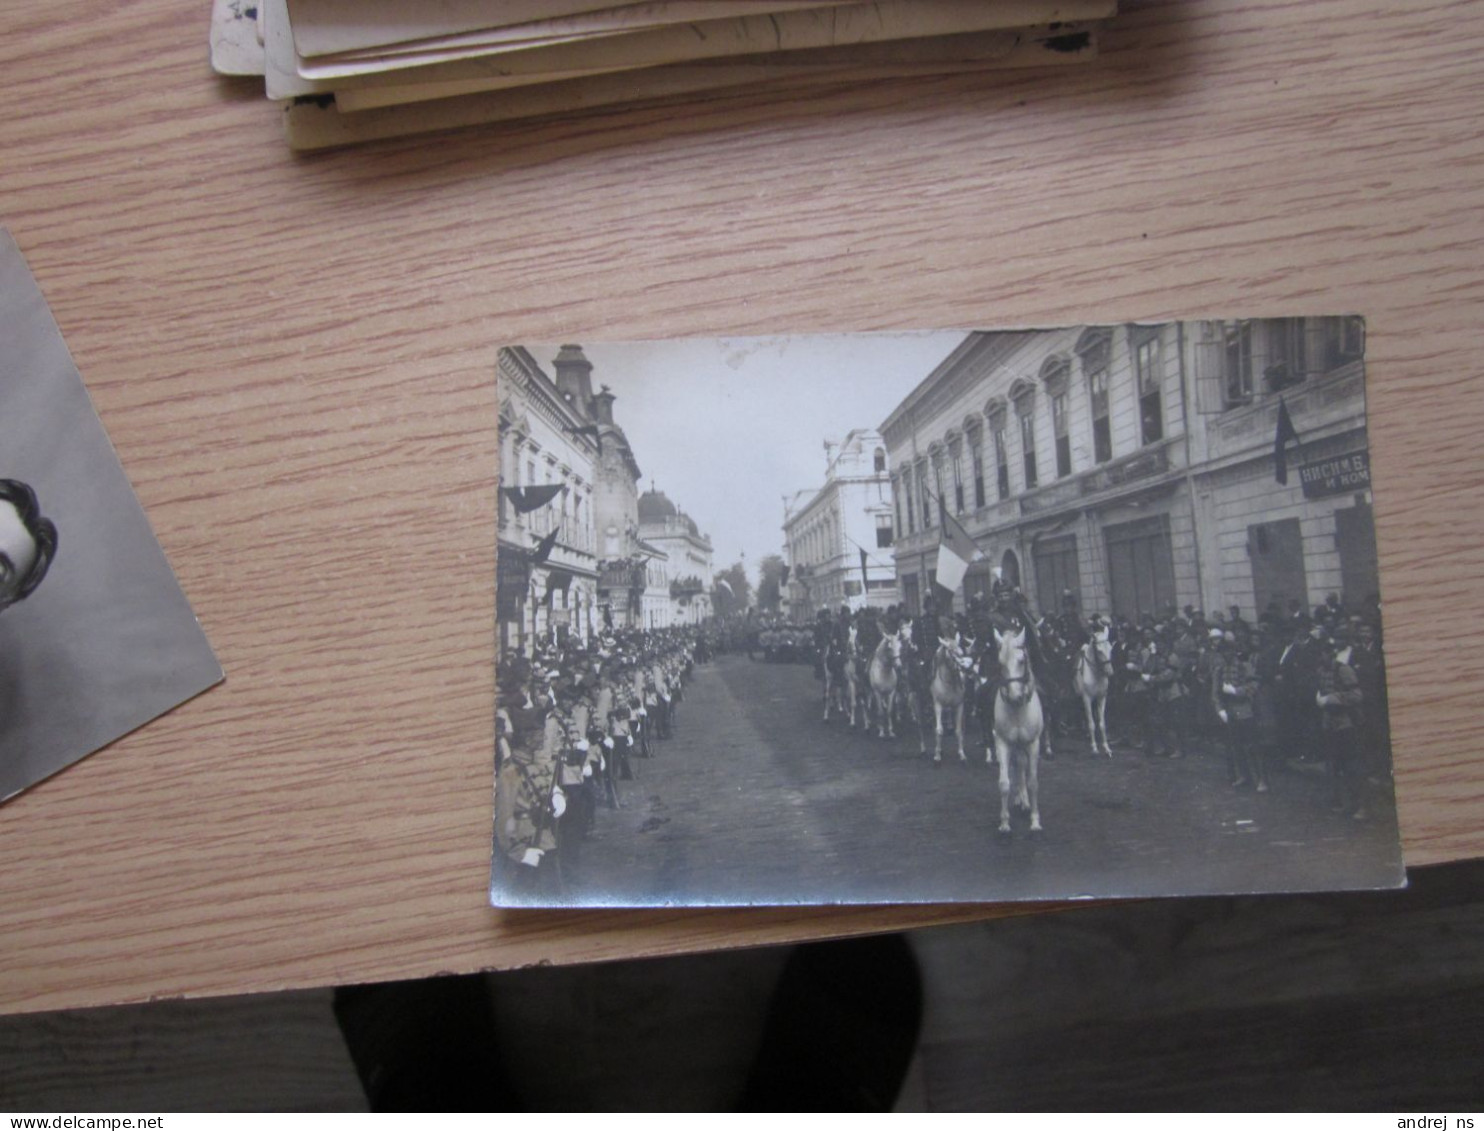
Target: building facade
[1132, 467]
[826, 530]
[633, 576]
[540, 445]
[688, 556]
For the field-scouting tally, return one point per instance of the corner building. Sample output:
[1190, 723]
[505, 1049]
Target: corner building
[540, 445]
[688, 554]
[1132, 466]
[826, 529]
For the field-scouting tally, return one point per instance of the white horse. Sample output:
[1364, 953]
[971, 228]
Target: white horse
[1018, 729]
[949, 691]
[884, 675]
[841, 683]
[852, 687]
[834, 674]
[1094, 670]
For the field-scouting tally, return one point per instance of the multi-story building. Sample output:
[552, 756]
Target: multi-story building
[1133, 466]
[541, 444]
[827, 528]
[633, 588]
[688, 556]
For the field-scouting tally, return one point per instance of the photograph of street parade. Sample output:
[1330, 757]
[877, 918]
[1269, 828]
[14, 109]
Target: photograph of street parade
[940, 617]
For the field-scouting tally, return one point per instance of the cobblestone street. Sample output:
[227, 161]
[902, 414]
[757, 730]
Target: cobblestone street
[757, 800]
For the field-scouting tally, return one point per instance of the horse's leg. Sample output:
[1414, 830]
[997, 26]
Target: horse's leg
[958, 721]
[937, 733]
[1002, 752]
[1103, 722]
[1034, 788]
[827, 690]
[1092, 729]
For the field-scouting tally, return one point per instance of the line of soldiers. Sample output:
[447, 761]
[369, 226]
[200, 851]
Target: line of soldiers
[569, 723]
[1295, 682]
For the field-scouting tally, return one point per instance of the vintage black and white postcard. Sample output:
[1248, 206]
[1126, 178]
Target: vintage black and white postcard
[1029, 614]
[96, 637]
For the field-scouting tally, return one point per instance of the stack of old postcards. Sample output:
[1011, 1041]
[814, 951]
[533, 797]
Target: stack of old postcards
[354, 70]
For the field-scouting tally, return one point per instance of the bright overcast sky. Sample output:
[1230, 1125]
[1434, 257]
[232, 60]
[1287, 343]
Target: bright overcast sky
[727, 427]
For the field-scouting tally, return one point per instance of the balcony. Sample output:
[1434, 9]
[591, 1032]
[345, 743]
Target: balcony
[1146, 464]
[1337, 397]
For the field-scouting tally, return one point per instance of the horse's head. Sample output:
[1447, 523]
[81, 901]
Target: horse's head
[1099, 650]
[1016, 684]
[889, 651]
[968, 653]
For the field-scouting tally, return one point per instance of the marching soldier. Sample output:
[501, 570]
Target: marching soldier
[1234, 700]
[1167, 676]
[1340, 700]
[528, 804]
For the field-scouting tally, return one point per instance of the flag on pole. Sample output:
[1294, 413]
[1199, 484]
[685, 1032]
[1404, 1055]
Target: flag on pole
[865, 577]
[723, 583]
[557, 581]
[588, 430]
[527, 499]
[956, 552]
[1286, 432]
[543, 548]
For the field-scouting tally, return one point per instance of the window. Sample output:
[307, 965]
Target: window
[1288, 360]
[907, 494]
[925, 493]
[883, 531]
[956, 458]
[880, 461]
[1344, 341]
[1237, 366]
[1151, 410]
[937, 462]
[1102, 431]
[1028, 445]
[1002, 463]
[1063, 437]
[896, 502]
[1095, 348]
[976, 457]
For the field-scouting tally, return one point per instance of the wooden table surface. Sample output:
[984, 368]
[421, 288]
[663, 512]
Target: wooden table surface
[295, 359]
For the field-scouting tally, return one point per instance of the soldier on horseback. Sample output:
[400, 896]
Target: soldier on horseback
[1009, 614]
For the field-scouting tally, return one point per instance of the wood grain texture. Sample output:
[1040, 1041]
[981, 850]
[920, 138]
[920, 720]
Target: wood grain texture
[295, 358]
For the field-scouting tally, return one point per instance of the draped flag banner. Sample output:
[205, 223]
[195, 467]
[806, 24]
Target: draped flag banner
[1286, 433]
[528, 499]
[956, 552]
[865, 577]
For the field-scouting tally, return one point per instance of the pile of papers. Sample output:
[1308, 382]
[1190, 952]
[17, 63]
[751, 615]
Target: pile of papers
[353, 70]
